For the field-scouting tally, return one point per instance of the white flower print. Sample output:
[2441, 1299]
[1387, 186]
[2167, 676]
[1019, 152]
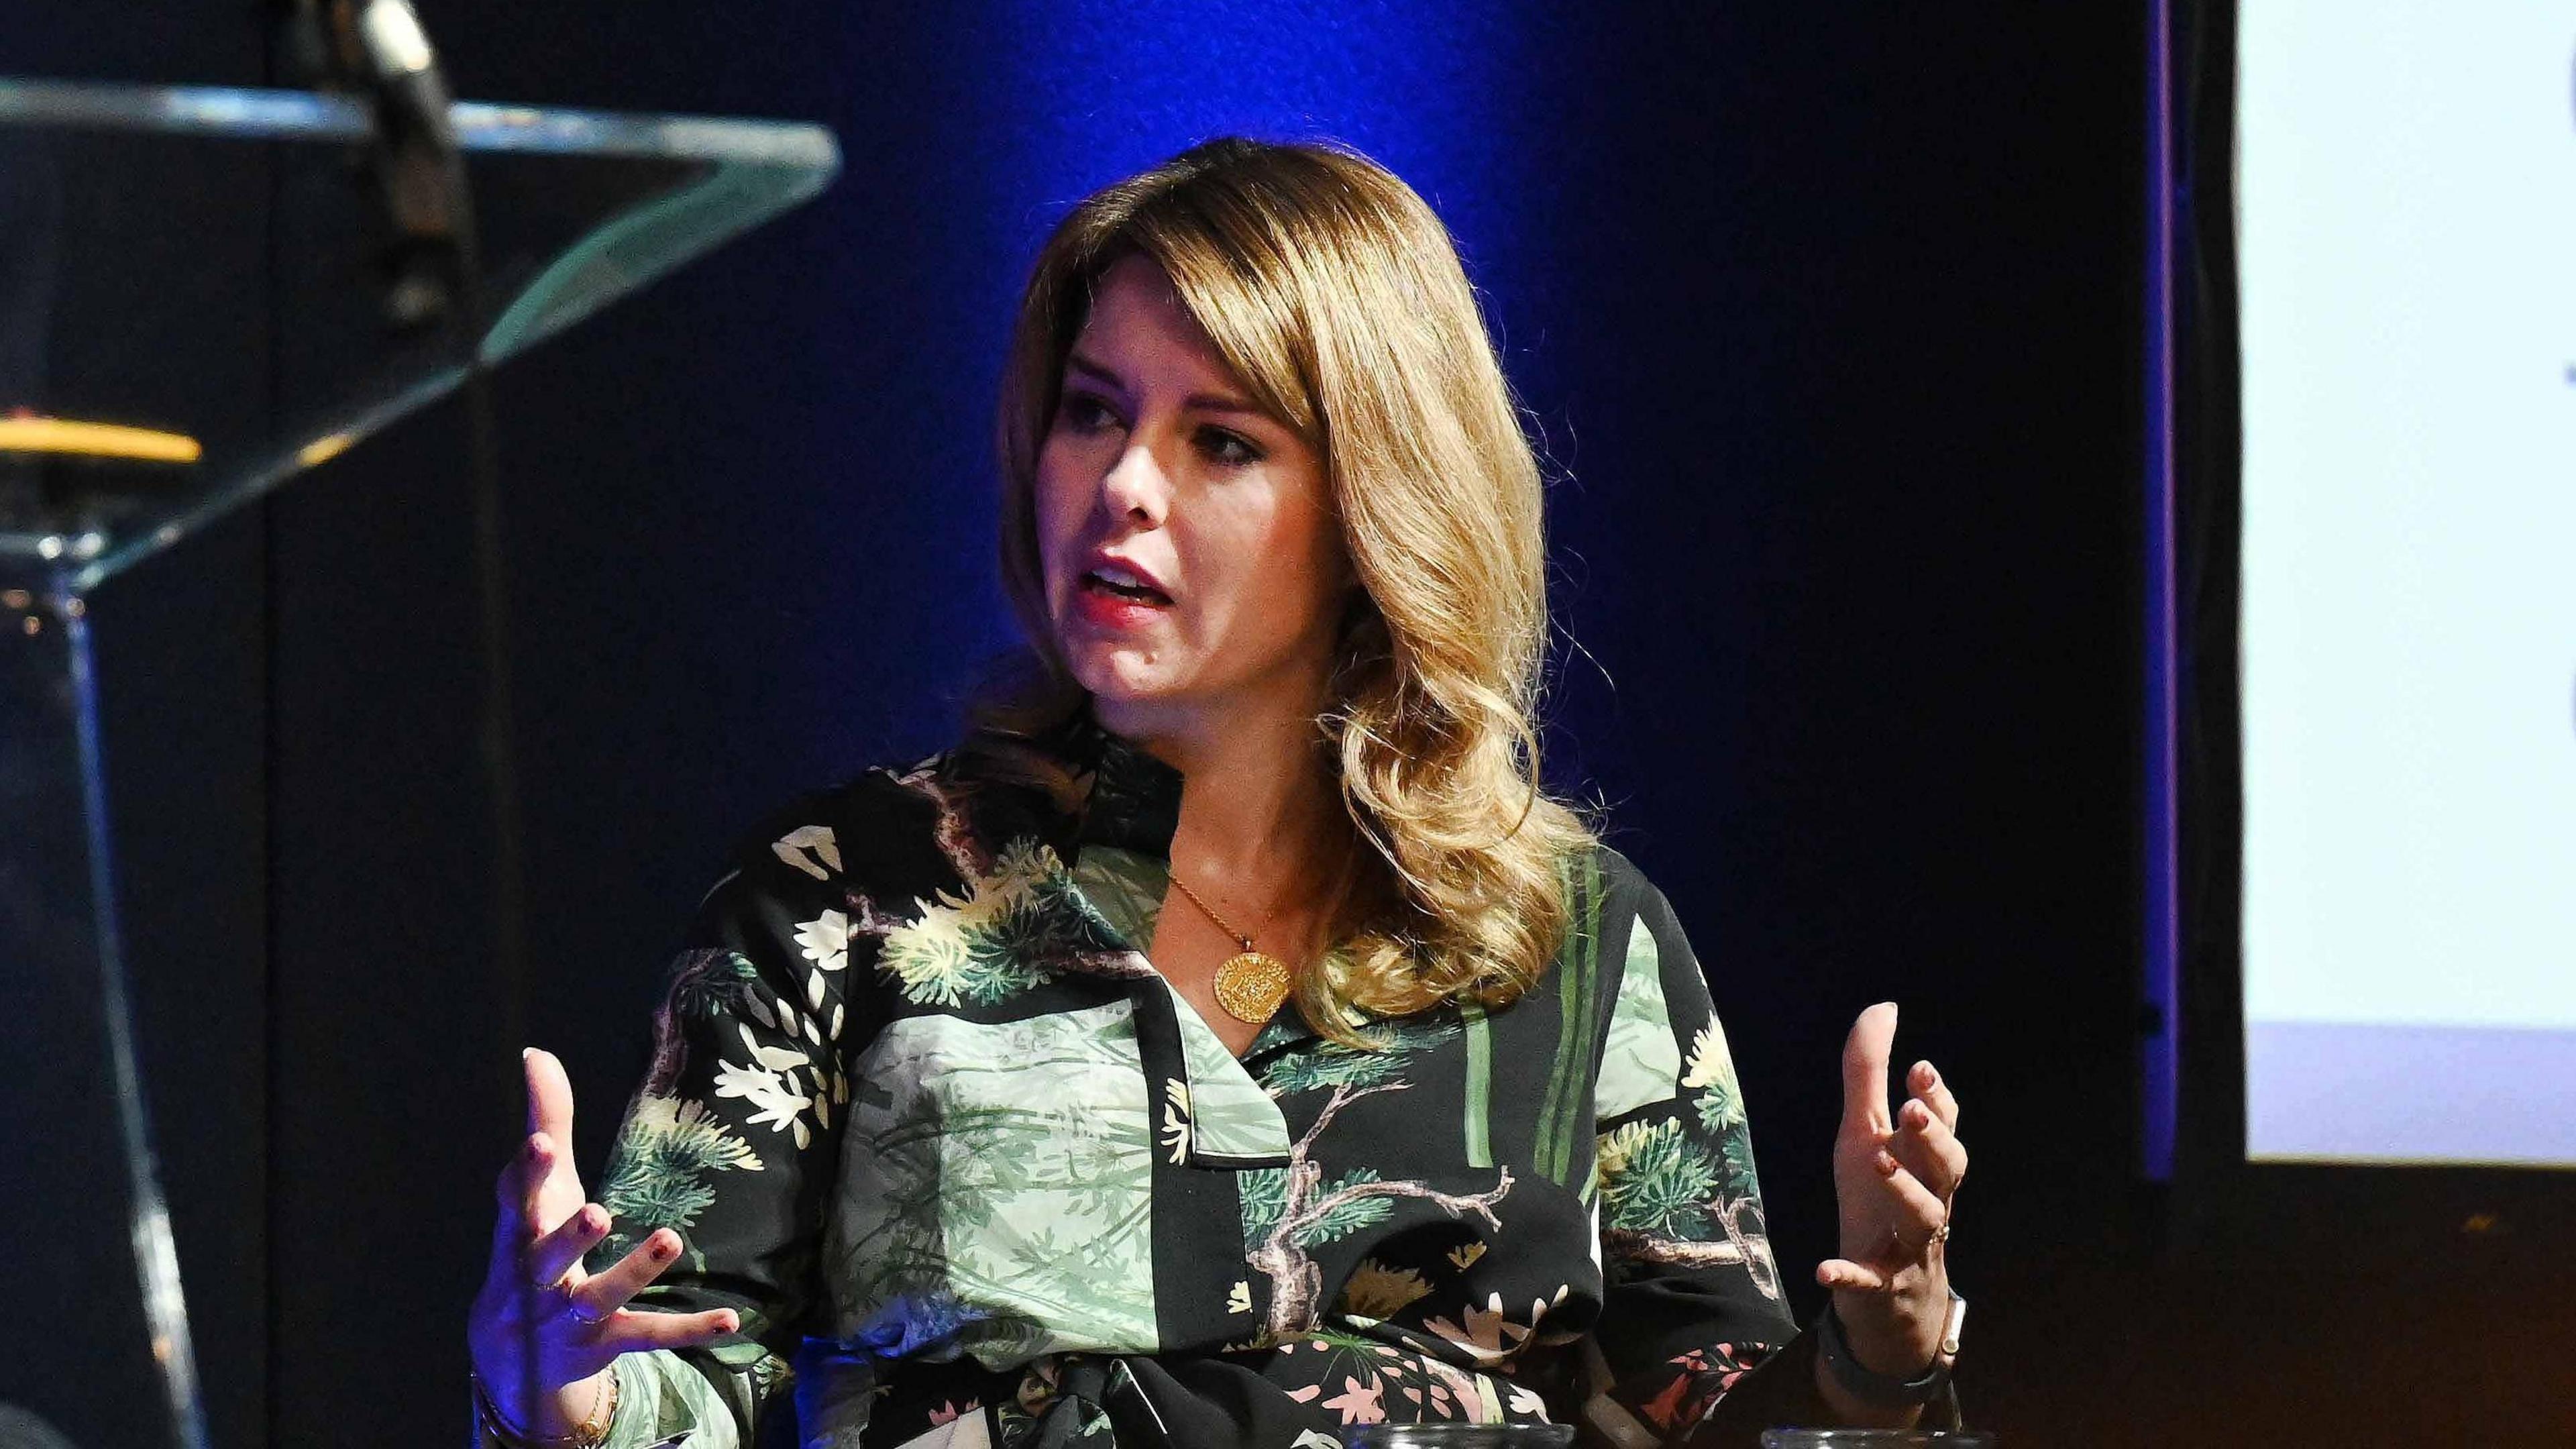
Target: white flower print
[1710, 1061]
[1712, 1074]
[810, 849]
[772, 1087]
[1489, 1337]
[778, 1058]
[826, 940]
[782, 1107]
[749, 1083]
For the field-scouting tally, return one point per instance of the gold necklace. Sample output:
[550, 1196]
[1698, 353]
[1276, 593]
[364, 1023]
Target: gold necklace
[1249, 985]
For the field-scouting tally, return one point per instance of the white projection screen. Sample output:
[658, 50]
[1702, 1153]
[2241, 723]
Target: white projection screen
[2406, 185]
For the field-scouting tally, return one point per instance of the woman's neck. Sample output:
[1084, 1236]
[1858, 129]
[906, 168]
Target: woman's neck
[1259, 814]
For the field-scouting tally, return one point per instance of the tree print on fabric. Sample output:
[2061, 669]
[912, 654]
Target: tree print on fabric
[1671, 1195]
[1654, 1180]
[958, 1179]
[902, 1115]
[977, 945]
[1287, 1210]
[1712, 1074]
[1007, 930]
[1676, 1183]
[659, 1170]
[1390, 1044]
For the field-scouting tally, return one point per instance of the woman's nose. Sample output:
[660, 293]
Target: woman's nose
[1136, 486]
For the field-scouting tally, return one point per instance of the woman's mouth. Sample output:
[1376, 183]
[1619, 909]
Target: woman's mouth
[1114, 597]
[1119, 583]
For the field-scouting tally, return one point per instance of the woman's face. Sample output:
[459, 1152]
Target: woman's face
[1191, 555]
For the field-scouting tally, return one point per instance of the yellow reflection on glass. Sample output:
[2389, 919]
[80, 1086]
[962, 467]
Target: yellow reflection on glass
[323, 449]
[95, 440]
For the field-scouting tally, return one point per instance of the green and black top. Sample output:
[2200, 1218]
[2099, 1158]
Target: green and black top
[972, 1172]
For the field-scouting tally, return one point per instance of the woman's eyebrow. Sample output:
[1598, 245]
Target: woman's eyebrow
[1210, 402]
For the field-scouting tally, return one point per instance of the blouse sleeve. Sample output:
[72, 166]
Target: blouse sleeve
[1696, 1334]
[733, 1139]
[1693, 1297]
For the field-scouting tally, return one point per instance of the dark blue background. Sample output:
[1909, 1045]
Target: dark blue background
[1830, 319]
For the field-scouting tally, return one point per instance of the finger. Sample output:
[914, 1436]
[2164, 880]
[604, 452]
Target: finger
[525, 1168]
[552, 1256]
[1865, 1067]
[538, 1160]
[1935, 1094]
[549, 1094]
[634, 1331]
[1929, 1150]
[1844, 1273]
[511, 1233]
[1918, 1212]
[606, 1291]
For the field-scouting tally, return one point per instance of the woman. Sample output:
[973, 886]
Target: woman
[1226, 1042]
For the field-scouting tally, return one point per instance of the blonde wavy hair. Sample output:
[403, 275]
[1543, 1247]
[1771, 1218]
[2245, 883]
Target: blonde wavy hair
[1335, 296]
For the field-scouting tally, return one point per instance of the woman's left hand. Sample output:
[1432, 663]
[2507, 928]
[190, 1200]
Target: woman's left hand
[1893, 1180]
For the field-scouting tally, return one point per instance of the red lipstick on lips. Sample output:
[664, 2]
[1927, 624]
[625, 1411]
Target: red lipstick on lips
[1118, 594]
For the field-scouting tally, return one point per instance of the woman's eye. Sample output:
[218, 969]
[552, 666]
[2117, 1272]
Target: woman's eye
[1226, 448]
[1083, 412]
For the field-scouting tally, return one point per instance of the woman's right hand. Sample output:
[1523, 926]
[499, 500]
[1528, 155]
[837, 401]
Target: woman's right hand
[542, 1322]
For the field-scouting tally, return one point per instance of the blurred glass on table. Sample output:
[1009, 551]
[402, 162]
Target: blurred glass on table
[1458, 1436]
[1876, 1440]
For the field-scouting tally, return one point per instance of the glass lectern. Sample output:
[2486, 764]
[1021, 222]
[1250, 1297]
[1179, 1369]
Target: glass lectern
[104, 462]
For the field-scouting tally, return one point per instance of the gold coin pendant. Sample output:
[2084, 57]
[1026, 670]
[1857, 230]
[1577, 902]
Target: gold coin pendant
[1251, 986]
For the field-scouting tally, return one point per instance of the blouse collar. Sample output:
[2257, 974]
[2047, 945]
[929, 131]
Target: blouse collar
[1135, 798]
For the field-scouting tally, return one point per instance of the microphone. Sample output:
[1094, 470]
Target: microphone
[379, 49]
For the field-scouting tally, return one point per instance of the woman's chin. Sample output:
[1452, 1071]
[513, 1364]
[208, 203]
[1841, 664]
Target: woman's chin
[1120, 677]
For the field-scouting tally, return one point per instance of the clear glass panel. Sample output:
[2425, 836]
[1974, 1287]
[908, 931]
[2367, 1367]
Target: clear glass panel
[124, 243]
[101, 190]
[91, 1258]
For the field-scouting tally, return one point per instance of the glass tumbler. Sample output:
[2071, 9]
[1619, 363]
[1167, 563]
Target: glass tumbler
[1458, 1436]
[1876, 1440]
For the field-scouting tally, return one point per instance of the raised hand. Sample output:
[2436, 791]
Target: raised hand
[1894, 1178]
[542, 1322]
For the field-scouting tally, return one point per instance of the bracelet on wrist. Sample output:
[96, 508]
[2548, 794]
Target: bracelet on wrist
[590, 1433]
[1886, 1391]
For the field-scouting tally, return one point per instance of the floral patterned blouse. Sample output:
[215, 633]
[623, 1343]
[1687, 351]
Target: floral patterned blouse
[972, 1173]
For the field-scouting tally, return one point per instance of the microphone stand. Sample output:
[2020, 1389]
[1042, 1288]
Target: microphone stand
[432, 277]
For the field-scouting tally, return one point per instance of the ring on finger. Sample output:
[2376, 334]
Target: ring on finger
[573, 1310]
